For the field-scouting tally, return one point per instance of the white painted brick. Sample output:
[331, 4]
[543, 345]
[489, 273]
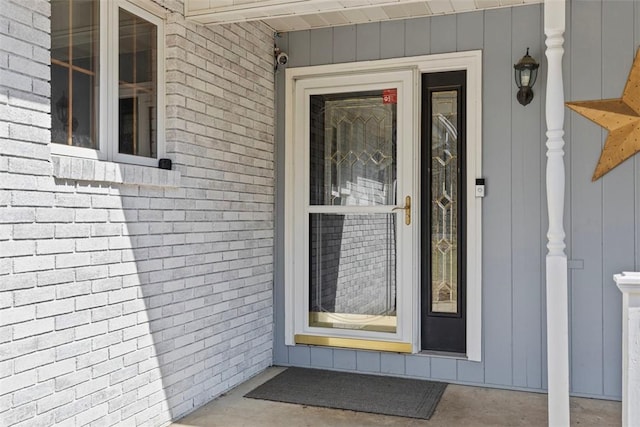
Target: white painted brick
[91, 330]
[106, 394]
[73, 319]
[5, 266]
[91, 273]
[93, 414]
[106, 312]
[15, 80]
[74, 378]
[89, 387]
[17, 415]
[55, 370]
[122, 348]
[92, 244]
[6, 300]
[32, 69]
[102, 230]
[15, 181]
[122, 295]
[17, 248]
[72, 260]
[34, 360]
[54, 246]
[17, 381]
[106, 340]
[64, 414]
[133, 306]
[113, 419]
[106, 367]
[73, 289]
[60, 215]
[64, 231]
[73, 349]
[17, 315]
[55, 400]
[54, 277]
[33, 393]
[122, 322]
[91, 215]
[105, 202]
[33, 263]
[90, 301]
[30, 166]
[34, 327]
[53, 308]
[122, 375]
[109, 257]
[122, 269]
[32, 198]
[108, 284]
[17, 215]
[119, 242]
[133, 408]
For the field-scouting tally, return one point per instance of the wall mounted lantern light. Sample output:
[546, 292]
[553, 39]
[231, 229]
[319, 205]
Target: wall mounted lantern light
[526, 71]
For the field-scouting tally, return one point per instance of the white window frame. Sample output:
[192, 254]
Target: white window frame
[108, 126]
[470, 61]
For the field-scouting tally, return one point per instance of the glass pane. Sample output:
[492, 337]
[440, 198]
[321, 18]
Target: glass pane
[74, 72]
[353, 148]
[353, 271]
[83, 122]
[60, 30]
[137, 85]
[84, 15]
[444, 202]
[60, 103]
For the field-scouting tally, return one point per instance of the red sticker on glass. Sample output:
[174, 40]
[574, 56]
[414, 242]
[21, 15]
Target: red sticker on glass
[390, 96]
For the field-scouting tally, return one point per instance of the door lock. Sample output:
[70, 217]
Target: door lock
[407, 210]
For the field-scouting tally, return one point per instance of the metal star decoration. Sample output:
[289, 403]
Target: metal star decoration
[621, 117]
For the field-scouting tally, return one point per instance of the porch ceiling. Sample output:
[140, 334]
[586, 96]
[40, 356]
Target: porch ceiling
[291, 15]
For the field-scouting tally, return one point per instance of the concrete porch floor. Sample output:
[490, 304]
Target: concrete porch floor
[460, 405]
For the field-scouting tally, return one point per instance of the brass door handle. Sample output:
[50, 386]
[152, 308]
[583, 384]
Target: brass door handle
[407, 210]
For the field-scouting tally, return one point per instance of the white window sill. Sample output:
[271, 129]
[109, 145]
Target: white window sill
[79, 169]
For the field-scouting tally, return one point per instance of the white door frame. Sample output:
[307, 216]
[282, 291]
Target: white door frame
[294, 136]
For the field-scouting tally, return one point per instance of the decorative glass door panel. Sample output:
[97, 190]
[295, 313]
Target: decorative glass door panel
[444, 201]
[353, 149]
[352, 256]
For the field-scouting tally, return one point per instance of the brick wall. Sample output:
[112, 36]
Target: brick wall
[130, 295]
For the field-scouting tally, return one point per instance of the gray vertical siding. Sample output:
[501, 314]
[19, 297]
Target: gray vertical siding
[602, 219]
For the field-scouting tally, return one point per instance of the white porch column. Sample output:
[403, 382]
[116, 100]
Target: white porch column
[629, 284]
[557, 295]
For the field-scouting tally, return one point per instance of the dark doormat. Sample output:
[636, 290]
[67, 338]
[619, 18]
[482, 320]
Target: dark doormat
[401, 397]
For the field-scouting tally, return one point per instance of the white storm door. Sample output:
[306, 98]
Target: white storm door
[351, 204]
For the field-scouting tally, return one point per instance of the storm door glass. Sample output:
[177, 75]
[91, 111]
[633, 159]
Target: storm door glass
[352, 253]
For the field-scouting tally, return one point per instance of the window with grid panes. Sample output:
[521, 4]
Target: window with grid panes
[106, 81]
